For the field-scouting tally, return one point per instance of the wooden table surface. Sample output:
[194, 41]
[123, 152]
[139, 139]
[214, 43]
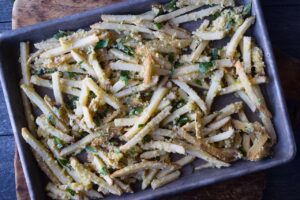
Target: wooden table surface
[284, 28]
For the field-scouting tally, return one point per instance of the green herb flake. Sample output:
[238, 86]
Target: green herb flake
[147, 138]
[215, 53]
[141, 125]
[64, 163]
[61, 34]
[71, 75]
[136, 111]
[198, 82]
[247, 9]
[182, 120]
[157, 9]
[204, 67]
[91, 149]
[92, 95]
[171, 72]
[72, 192]
[80, 63]
[125, 76]
[71, 103]
[113, 143]
[51, 120]
[180, 104]
[159, 25]
[171, 6]
[229, 24]
[42, 71]
[102, 44]
[103, 171]
[58, 142]
[171, 57]
[157, 158]
[133, 151]
[125, 49]
[216, 15]
[177, 64]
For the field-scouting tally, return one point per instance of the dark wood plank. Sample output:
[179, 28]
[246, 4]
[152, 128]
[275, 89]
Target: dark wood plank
[5, 127]
[283, 181]
[280, 2]
[7, 178]
[284, 28]
[5, 26]
[5, 10]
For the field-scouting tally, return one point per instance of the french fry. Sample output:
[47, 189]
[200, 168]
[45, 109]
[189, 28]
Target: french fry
[238, 35]
[156, 183]
[37, 100]
[140, 167]
[195, 15]
[164, 146]
[192, 94]
[215, 87]
[150, 126]
[46, 156]
[176, 13]
[83, 42]
[148, 112]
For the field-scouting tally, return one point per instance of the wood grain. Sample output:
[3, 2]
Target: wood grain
[31, 12]
[248, 187]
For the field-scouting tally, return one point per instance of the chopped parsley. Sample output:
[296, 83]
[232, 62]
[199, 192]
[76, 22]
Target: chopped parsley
[42, 71]
[216, 15]
[136, 110]
[147, 138]
[100, 115]
[51, 120]
[71, 75]
[60, 34]
[159, 25]
[177, 64]
[229, 24]
[91, 149]
[64, 163]
[182, 120]
[141, 125]
[125, 49]
[103, 171]
[171, 57]
[125, 76]
[92, 95]
[171, 73]
[215, 53]
[134, 151]
[198, 82]
[247, 9]
[113, 143]
[171, 6]
[72, 192]
[58, 142]
[71, 103]
[80, 63]
[180, 103]
[205, 66]
[102, 44]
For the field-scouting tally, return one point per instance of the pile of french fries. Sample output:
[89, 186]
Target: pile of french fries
[133, 98]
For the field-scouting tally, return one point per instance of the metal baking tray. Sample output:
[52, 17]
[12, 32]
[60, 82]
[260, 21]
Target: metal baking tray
[10, 74]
